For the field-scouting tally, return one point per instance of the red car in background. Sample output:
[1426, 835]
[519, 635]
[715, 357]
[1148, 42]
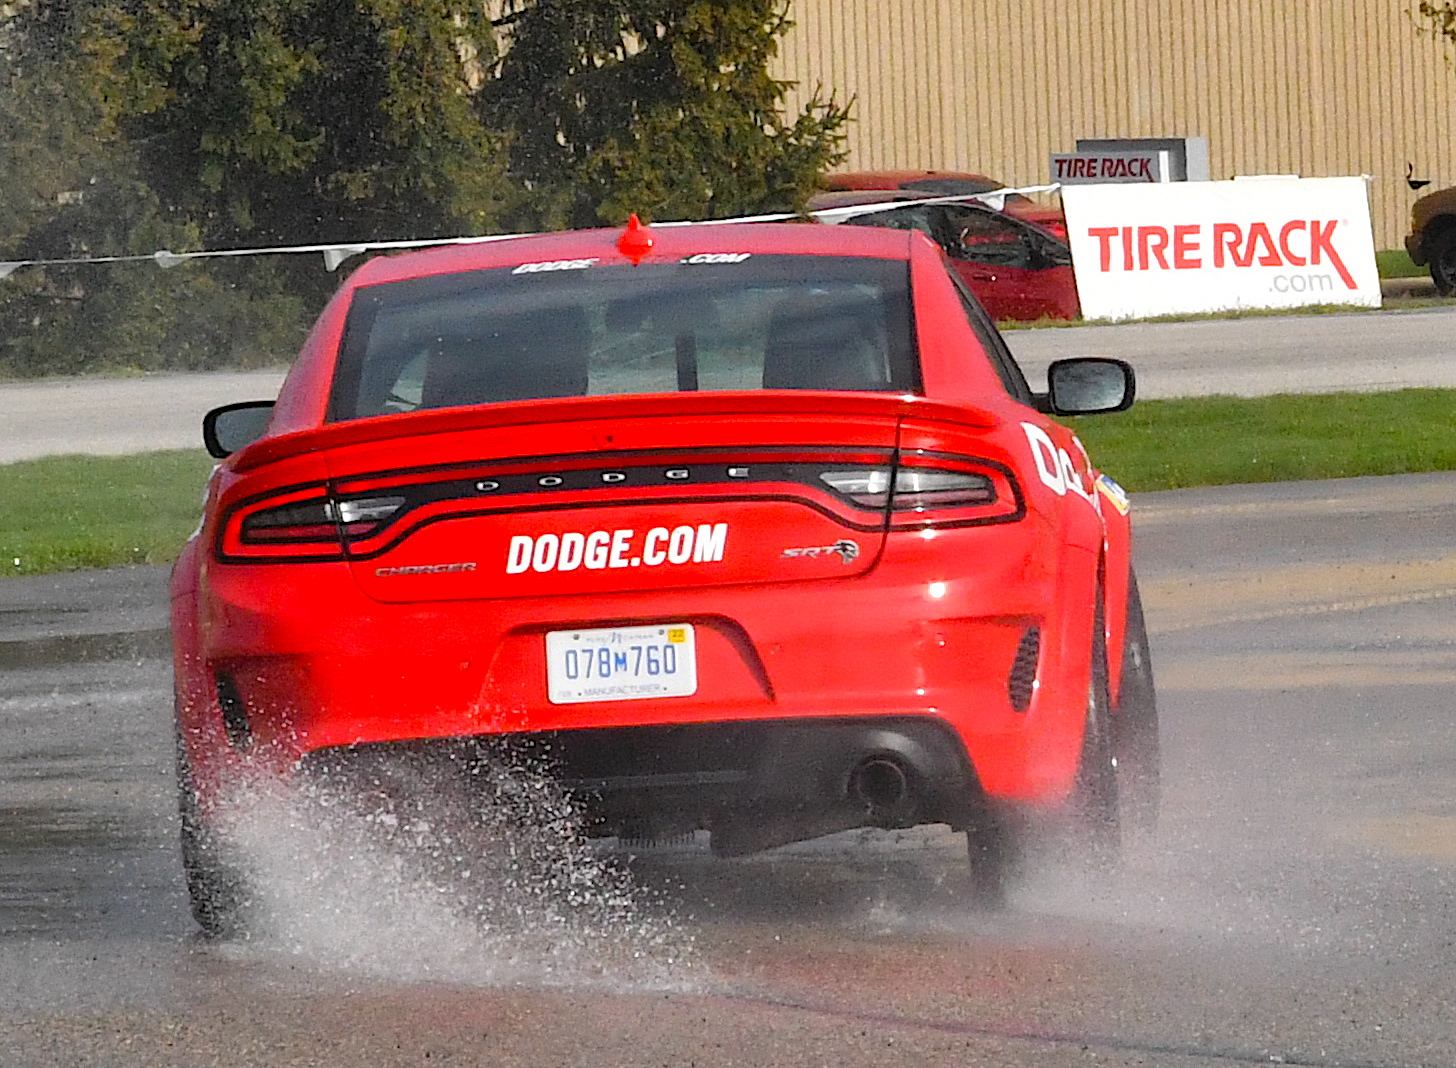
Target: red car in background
[1018, 271]
[952, 183]
[752, 529]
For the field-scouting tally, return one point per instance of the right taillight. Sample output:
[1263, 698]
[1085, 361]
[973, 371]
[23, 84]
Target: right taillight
[868, 487]
[931, 491]
[921, 489]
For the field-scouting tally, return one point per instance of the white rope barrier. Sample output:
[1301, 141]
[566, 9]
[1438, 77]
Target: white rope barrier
[336, 254]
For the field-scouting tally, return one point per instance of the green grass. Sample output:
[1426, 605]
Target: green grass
[1210, 441]
[1396, 263]
[66, 513]
[69, 513]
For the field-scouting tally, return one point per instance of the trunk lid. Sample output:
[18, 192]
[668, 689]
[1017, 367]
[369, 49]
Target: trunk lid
[621, 494]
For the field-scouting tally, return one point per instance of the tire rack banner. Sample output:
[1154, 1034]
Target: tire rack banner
[1184, 247]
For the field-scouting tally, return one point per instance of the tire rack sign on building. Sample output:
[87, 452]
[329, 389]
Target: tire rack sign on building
[1080, 168]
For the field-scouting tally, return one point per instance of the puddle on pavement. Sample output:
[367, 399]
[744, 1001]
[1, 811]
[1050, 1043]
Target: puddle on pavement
[85, 648]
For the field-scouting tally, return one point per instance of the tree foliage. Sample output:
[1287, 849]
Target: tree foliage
[132, 125]
[66, 193]
[663, 107]
[276, 120]
[1440, 16]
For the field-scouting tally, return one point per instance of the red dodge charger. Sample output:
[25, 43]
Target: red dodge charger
[749, 529]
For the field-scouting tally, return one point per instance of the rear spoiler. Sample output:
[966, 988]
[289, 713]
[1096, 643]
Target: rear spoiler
[574, 409]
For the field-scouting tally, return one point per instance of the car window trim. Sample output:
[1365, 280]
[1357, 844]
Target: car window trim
[367, 302]
[1007, 369]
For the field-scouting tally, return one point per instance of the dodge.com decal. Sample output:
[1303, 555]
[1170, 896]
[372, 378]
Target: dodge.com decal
[601, 549]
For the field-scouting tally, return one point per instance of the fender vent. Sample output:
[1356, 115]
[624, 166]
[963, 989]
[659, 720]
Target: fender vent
[1022, 682]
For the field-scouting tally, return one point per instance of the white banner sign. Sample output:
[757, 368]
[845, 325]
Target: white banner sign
[1146, 250]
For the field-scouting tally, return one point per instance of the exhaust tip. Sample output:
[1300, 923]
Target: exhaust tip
[883, 785]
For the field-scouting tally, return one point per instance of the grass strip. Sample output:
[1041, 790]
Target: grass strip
[73, 512]
[1396, 263]
[68, 513]
[1212, 441]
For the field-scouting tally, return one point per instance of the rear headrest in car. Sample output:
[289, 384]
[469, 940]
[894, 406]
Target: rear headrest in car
[820, 340]
[520, 357]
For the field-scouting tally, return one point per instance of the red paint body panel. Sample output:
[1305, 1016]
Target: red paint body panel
[1019, 271]
[724, 511]
[1013, 294]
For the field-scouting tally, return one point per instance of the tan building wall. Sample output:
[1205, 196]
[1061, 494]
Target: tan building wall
[1309, 87]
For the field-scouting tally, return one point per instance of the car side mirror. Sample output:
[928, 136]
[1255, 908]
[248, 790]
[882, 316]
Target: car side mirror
[1088, 385]
[227, 429]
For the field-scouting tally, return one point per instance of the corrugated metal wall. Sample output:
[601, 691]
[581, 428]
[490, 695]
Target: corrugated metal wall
[1310, 87]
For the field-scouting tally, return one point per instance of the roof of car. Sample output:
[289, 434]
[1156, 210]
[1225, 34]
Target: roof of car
[848, 198]
[895, 179]
[671, 243]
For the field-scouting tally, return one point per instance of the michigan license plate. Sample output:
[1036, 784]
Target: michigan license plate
[621, 663]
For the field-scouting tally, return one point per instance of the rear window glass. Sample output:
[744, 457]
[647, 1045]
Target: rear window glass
[755, 322]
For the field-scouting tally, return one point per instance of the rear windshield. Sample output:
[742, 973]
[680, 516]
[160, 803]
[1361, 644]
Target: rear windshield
[739, 322]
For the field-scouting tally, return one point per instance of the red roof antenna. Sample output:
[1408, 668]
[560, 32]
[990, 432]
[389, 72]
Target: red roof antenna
[636, 241]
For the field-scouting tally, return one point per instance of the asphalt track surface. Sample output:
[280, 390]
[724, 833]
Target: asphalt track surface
[1294, 906]
[1245, 357]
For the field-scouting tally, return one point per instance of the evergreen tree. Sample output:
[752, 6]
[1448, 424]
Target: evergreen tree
[67, 191]
[132, 125]
[662, 107]
[288, 121]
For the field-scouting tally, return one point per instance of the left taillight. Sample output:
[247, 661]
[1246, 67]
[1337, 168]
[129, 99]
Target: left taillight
[303, 524]
[297, 522]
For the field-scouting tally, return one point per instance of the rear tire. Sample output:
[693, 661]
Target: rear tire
[1135, 730]
[1095, 825]
[1089, 830]
[216, 889]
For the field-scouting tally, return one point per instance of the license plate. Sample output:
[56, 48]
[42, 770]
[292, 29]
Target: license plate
[621, 663]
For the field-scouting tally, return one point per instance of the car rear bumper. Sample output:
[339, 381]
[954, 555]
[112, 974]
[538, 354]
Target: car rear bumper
[753, 784]
[995, 658]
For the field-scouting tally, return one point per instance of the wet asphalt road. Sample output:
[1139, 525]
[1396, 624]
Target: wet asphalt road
[1295, 906]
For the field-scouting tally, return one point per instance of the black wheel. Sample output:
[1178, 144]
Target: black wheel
[216, 888]
[1441, 254]
[1093, 826]
[1135, 723]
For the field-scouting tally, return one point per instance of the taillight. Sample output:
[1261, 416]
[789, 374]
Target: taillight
[911, 489]
[920, 489]
[305, 525]
[366, 512]
[867, 487]
[947, 491]
[306, 521]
